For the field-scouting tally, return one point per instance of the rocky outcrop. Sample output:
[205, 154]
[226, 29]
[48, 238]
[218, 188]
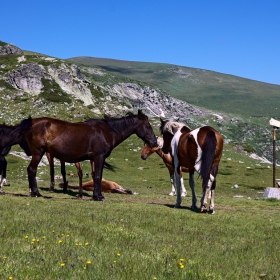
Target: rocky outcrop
[152, 100]
[8, 49]
[27, 77]
[71, 80]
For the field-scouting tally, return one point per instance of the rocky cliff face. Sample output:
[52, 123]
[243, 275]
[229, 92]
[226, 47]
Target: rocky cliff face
[7, 49]
[28, 76]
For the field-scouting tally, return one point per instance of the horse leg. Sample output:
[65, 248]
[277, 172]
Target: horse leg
[173, 191]
[63, 173]
[32, 170]
[206, 190]
[80, 174]
[213, 187]
[212, 204]
[184, 191]
[3, 168]
[51, 163]
[192, 186]
[97, 169]
[178, 184]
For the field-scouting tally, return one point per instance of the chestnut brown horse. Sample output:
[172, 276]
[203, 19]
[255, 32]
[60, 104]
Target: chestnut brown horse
[198, 150]
[90, 140]
[167, 159]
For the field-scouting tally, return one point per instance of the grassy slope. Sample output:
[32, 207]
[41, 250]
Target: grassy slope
[212, 90]
[54, 237]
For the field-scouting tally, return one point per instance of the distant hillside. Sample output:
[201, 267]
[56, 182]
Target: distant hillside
[38, 85]
[212, 90]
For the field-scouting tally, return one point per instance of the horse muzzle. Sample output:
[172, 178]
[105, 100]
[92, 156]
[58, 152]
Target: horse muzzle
[144, 157]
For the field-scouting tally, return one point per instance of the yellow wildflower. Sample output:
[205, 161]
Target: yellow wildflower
[62, 264]
[88, 262]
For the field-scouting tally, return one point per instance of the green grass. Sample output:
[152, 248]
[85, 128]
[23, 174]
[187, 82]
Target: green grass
[140, 236]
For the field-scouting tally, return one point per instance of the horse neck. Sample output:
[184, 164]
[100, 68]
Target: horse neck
[119, 135]
[10, 138]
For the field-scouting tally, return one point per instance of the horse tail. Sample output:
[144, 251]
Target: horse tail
[109, 166]
[207, 157]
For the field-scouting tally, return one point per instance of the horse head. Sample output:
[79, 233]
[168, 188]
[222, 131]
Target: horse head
[144, 130]
[147, 150]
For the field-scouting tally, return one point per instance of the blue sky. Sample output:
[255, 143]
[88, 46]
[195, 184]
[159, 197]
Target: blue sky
[239, 37]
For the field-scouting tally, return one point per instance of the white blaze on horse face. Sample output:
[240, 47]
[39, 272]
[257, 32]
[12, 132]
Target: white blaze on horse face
[197, 166]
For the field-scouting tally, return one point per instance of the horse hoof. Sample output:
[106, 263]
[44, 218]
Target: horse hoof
[98, 198]
[172, 194]
[184, 194]
[177, 206]
[35, 194]
[203, 209]
[2, 192]
[51, 190]
[194, 207]
[211, 211]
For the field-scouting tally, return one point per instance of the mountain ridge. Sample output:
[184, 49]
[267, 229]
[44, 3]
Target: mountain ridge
[38, 85]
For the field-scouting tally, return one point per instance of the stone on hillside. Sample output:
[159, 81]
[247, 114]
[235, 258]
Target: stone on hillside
[9, 49]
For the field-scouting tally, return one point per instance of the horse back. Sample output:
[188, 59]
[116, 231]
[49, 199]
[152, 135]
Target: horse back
[68, 141]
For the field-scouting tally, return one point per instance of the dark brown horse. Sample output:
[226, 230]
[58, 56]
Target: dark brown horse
[13, 134]
[90, 140]
[198, 150]
[167, 159]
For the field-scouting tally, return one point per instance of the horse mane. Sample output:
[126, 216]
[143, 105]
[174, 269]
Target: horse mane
[23, 126]
[172, 126]
[119, 124]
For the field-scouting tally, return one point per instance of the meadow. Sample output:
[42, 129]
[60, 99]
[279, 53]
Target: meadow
[141, 236]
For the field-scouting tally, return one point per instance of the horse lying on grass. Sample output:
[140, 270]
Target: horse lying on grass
[106, 186]
[167, 159]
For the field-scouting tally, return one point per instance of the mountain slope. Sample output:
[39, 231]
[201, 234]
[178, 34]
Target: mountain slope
[38, 85]
[209, 89]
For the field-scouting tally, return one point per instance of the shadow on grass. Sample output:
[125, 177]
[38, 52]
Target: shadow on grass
[70, 193]
[197, 210]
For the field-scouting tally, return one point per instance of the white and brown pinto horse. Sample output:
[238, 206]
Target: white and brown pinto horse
[167, 159]
[198, 150]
